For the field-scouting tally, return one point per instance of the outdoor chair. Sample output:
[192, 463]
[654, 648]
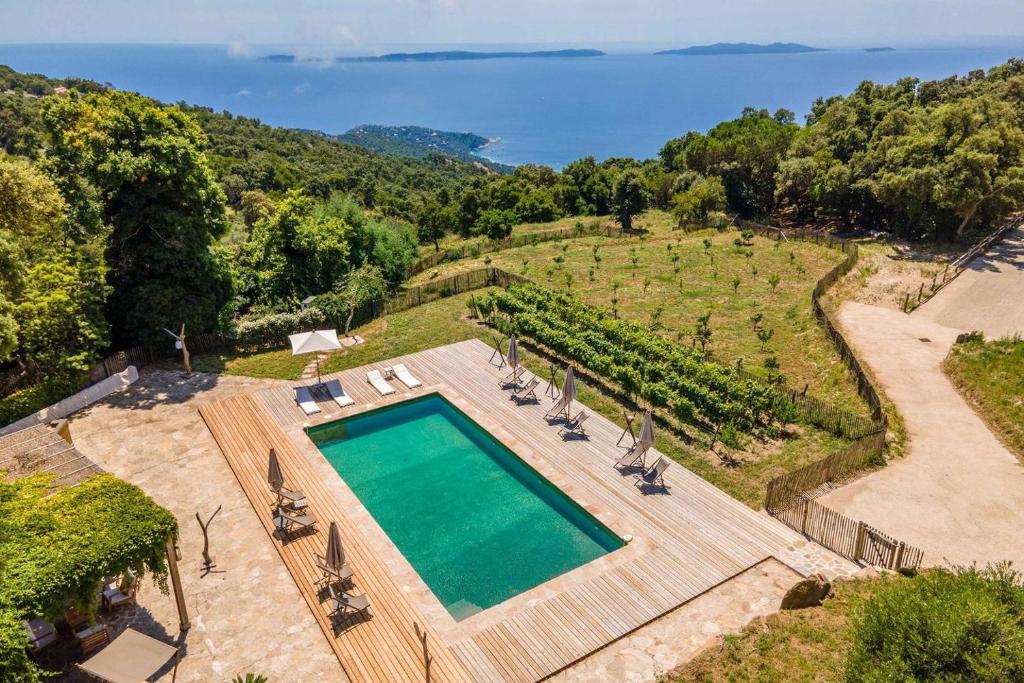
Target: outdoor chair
[403, 374]
[41, 634]
[337, 392]
[304, 399]
[330, 574]
[559, 408]
[655, 476]
[119, 592]
[528, 392]
[575, 426]
[379, 383]
[513, 378]
[344, 603]
[286, 520]
[633, 457]
[92, 638]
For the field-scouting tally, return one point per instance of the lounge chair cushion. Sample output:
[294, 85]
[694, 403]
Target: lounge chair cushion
[337, 392]
[403, 374]
[379, 383]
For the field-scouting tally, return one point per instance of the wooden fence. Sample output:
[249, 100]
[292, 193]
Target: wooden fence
[911, 301]
[825, 473]
[592, 228]
[849, 537]
[141, 356]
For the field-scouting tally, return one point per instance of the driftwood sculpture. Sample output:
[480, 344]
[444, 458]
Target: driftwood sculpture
[180, 343]
[208, 563]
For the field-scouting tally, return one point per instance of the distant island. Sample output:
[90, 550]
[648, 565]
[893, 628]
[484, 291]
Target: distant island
[447, 56]
[743, 49]
[879, 49]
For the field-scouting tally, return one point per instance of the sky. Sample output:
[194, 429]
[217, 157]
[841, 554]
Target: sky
[371, 25]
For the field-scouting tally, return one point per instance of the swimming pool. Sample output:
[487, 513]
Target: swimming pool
[478, 524]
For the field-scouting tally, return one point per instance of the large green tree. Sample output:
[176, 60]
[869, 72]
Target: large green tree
[140, 168]
[629, 197]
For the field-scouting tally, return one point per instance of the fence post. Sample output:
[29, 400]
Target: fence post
[897, 560]
[803, 521]
[858, 544]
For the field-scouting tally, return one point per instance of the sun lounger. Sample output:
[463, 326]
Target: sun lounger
[377, 380]
[575, 425]
[337, 392]
[304, 399]
[286, 520]
[633, 457]
[332, 575]
[343, 602]
[528, 392]
[655, 476]
[403, 374]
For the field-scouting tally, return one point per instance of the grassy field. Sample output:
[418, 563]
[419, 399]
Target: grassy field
[445, 322]
[678, 277]
[991, 377]
[803, 646]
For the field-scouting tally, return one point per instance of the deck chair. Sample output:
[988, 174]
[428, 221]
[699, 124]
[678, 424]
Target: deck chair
[304, 399]
[337, 392]
[119, 592]
[379, 383]
[513, 378]
[286, 498]
[286, 520]
[575, 425]
[633, 456]
[528, 392]
[403, 374]
[655, 476]
[342, 603]
[557, 409]
[330, 574]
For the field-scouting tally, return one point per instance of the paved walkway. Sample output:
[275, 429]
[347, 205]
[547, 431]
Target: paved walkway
[988, 296]
[958, 493]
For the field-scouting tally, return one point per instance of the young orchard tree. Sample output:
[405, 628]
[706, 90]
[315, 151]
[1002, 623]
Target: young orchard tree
[363, 285]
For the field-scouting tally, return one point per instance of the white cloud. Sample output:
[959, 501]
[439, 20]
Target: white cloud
[301, 88]
[240, 48]
[244, 92]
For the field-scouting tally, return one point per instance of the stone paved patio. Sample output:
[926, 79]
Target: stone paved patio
[248, 615]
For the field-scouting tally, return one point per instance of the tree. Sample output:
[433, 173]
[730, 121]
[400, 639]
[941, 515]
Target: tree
[363, 285]
[434, 222]
[495, 224]
[703, 196]
[629, 198]
[160, 199]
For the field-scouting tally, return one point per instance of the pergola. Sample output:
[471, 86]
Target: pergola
[48, 449]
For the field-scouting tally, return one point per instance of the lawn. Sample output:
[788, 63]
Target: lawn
[670, 279]
[802, 646]
[445, 322]
[991, 377]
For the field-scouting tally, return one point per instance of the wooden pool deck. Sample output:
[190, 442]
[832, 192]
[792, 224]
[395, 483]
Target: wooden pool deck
[684, 541]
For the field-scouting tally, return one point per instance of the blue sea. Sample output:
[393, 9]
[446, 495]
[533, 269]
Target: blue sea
[547, 111]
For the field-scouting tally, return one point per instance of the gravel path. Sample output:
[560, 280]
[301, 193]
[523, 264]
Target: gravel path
[958, 493]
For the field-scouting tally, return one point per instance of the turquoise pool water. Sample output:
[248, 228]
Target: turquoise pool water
[478, 524]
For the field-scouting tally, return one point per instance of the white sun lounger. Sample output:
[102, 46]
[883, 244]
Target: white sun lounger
[337, 392]
[377, 380]
[402, 373]
[304, 398]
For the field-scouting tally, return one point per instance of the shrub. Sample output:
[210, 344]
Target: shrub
[960, 625]
[273, 330]
[26, 401]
